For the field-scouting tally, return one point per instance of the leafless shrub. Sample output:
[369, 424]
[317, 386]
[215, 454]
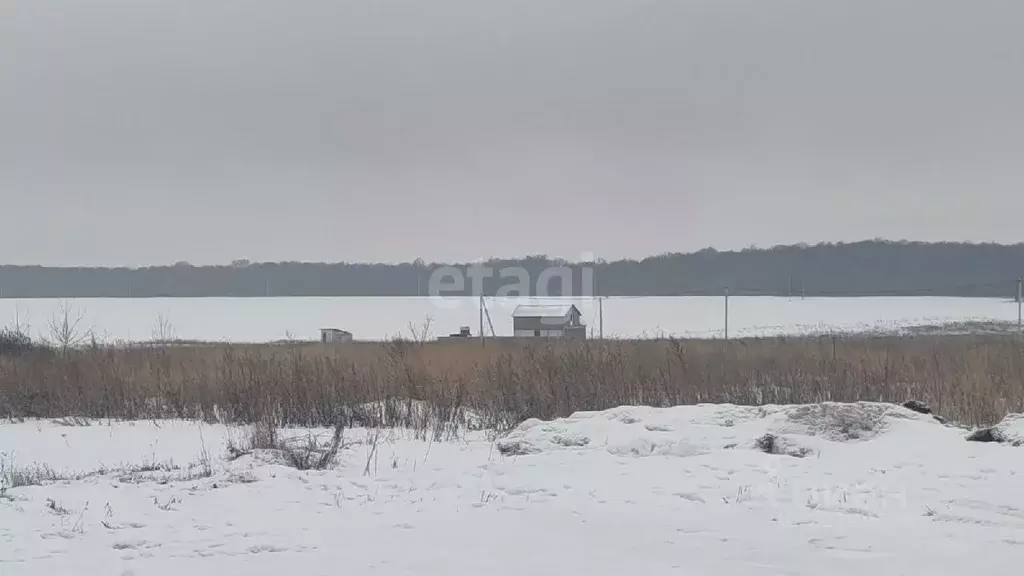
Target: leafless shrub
[304, 453]
[163, 332]
[261, 435]
[423, 333]
[312, 454]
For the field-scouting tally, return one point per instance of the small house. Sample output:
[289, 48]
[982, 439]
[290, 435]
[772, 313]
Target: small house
[330, 335]
[548, 321]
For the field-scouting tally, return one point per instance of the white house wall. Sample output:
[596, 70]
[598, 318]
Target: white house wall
[543, 334]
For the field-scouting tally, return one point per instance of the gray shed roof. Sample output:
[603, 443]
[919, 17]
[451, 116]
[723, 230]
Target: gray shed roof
[543, 310]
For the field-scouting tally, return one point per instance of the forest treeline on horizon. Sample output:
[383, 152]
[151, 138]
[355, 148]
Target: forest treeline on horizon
[869, 268]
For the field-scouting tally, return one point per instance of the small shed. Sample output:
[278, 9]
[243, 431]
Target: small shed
[329, 335]
[548, 321]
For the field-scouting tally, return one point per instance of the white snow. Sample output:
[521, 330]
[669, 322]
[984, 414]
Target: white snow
[269, 319]
[871, 489]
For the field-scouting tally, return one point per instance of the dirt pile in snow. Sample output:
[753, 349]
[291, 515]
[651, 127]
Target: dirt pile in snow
[1009, 431]
[772, 444]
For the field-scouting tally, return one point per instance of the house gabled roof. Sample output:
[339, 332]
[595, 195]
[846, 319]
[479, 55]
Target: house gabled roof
[543, 310]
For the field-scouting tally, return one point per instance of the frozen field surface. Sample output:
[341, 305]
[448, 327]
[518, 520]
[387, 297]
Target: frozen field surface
[714, 489]
[269, 319]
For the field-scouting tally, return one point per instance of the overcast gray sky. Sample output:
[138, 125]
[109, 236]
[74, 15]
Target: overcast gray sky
[140, 132]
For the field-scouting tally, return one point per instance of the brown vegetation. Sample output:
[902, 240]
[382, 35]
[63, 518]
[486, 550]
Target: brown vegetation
[971, 379]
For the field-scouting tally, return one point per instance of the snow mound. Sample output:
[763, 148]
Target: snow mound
[840, 422]
[685, 431]
[535, 436]
[624, 431]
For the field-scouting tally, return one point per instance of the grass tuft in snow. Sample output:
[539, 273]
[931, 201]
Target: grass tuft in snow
[72, 421]
[301, 453]
[57, 508]
[12, 476]
[243, 477]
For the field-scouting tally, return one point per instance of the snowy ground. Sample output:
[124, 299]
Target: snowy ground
[270, 319]
[849, 489]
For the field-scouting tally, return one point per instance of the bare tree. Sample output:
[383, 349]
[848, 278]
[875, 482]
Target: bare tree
[65, 328]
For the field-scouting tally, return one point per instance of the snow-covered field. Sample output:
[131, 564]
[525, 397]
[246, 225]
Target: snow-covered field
[269, 319]
[842, 489]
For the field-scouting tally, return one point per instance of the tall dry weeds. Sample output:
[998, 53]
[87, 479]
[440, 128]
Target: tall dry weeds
[436, 387]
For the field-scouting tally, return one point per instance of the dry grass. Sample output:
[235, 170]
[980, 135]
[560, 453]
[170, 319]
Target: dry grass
[971, 379]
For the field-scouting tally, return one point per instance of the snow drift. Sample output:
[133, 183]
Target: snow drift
[839, 489]
[701, 429]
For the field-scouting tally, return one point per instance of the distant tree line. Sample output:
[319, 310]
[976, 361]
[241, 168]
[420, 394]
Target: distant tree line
[870, 268]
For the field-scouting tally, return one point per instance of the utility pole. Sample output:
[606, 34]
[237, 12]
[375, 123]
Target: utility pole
[726, 312]
[1020, 299]
[490, 324]
[482, 320]
[600, 317]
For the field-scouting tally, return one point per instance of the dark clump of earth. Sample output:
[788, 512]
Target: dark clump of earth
[771, 444]
[922, 408]
[983, 435]
[917, 406]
